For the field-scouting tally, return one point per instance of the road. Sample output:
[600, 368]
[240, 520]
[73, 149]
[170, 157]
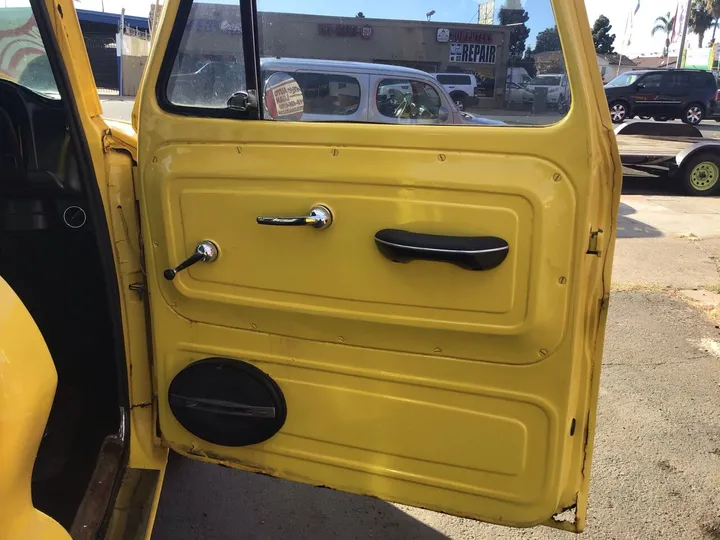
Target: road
[656, 471]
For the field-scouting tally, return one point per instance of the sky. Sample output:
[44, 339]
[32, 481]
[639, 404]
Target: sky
[463, 11]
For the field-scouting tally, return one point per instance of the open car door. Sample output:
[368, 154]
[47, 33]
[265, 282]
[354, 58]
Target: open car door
[412, 312]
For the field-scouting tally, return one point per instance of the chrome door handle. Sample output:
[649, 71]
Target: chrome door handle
[320, 217]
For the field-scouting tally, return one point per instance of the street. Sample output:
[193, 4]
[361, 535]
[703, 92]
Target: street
[656, 468]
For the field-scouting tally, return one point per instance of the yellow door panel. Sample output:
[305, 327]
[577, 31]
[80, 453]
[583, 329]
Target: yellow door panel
[503, 309]
[310, 353]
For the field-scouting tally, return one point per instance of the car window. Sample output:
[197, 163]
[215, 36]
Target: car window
[653, 80]
[211, 62]
[408, 99]
[678, 80]
[626, 79]
[454, 79]
[699, 80]
[328, 93]
[545, 81]
[23, 59]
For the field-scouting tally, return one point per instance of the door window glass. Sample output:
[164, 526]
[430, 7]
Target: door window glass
[460, 80]
[23, 59]
[482, 52]
[701, 80]
[679, 81]
[516, 43]
[329, 94]
[651, 81]
[210, 63]
[408, 99]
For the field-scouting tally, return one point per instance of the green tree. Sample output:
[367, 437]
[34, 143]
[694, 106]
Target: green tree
[547, 40]
[602, 37]
[518, 33]
[713, 6]
[664, 25]
[701, 20]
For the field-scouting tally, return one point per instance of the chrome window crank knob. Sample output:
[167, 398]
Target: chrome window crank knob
[205, 251]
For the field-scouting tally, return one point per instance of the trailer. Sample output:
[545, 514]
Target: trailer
[677, 150]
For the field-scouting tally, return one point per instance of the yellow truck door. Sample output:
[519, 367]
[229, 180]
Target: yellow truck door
[411, 312]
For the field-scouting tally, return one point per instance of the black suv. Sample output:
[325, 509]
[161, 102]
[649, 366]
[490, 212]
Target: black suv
[690, 95]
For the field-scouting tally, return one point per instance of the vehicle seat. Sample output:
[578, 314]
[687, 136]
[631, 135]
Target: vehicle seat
[27, 387]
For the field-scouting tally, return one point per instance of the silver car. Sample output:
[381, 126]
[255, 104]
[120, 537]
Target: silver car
[339, 91]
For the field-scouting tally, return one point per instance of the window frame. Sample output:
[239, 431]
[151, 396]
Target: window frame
[251, 56]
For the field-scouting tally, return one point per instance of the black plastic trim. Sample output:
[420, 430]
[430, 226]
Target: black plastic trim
[227, 402]
[248, 10]
[468, 252]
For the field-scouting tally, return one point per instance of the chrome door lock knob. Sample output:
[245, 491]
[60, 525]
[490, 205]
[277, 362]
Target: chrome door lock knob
[206, 251]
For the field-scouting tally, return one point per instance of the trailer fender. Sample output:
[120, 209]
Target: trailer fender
[655, 129]
[700, 146]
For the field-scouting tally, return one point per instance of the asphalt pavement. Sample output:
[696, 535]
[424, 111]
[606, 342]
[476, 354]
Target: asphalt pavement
[656, 470]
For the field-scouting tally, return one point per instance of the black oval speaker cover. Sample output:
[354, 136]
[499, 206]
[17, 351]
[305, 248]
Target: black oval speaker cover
[227, 402]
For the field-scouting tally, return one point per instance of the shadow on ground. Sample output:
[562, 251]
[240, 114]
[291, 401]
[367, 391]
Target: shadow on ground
[651, 185]
[208, 502]
[628, 227]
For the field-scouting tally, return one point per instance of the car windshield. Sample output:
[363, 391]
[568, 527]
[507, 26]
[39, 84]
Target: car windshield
[626, 79]
[545, 81]
[23, 59]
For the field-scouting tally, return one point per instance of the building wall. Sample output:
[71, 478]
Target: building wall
[132, 70]
[409, 43]
[480, 48]
[609, 70]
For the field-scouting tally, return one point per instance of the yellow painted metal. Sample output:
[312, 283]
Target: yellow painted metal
[472, 393]
[27, 388]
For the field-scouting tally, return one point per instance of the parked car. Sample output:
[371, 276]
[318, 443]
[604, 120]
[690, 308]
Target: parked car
[556, 84]
[517, 94]
[518, 75]
[462, 87]
[690, 95]
[338, 91]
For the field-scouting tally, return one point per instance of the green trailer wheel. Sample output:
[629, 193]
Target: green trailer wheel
[702, 174]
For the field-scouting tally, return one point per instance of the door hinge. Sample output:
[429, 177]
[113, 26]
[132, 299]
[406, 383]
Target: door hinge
[107, 140]
[594, 246]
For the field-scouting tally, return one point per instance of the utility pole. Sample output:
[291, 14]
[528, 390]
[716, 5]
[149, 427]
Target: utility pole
[678, 62]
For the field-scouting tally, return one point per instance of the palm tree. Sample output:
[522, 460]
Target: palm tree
[701, 20]
[664, 24]
[713, 6]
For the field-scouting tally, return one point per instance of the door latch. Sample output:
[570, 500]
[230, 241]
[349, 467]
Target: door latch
[594, 246]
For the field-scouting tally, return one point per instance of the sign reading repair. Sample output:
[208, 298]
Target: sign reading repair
[473, 53]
